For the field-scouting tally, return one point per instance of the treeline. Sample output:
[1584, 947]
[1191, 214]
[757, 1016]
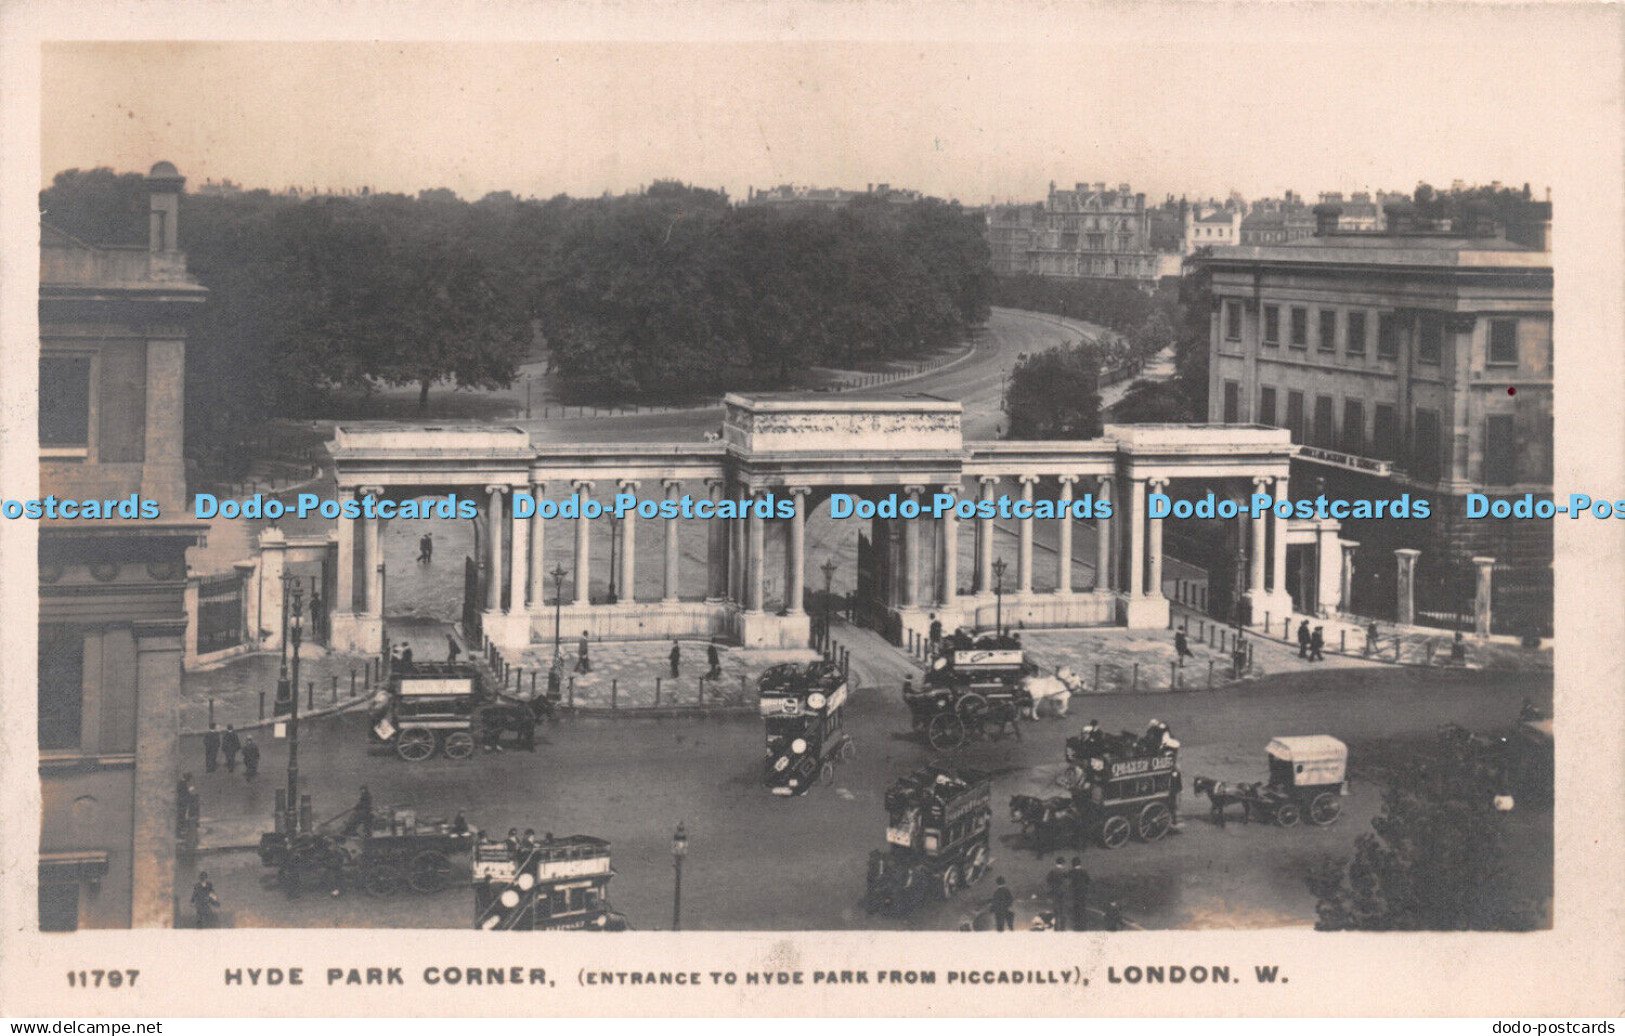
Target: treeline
[668, 294]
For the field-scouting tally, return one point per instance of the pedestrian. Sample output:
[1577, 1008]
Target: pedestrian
[713, 658]
[185, 804]
[453, 649]
[1079, 879]
[211, 749]
[1303, 639]
[676, 657]
[512, 842]
[1182, 647]
[583, 662]
[251, 758]
[1004, 907]
[1317, 644]
[204, 900]
[1060, 887]
[459, 824]
[554, 678]
[426, 549]
[1458, 650]
[1371, 638]
[1114, 917]
[406, 657]
[318, 618]
[908, 687]
[936, 632]
[1238, 658]
[361, 816]
[230, 745]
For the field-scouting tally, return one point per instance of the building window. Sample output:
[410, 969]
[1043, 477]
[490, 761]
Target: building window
[1272, 325]
[61, 687]
[1383, 433]
[1503, 341]
[1356, 333]
[1500, 451]
[1430, 339]
[1294, 415]
[1232, 321]
[1353, 426]
[1387, 336]
[1425, 446]
[1266, 405]
[1232, 402]
[1328, 330]
[1300, 327]
[1325, 431]
[64, 402]
[58, 908]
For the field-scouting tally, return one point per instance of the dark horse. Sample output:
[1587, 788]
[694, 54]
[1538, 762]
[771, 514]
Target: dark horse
[1042, 820]
[1224, 794]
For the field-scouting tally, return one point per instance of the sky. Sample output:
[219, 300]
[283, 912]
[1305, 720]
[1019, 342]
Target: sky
[1196, 100]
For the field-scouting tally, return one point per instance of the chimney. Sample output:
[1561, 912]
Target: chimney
[1326, 217]
[164, 185]
[1399, 217]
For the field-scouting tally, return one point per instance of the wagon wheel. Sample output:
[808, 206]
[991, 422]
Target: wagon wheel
[459, 745]
[1154, 821]
[1287, 814]
[849, 750]
[945, 733]
[429, 872]
[826, 773]
[1114, 833]
[976, 868]
[415, 744]
[971, 709]
[1324, 809]
[951, 882]
[382, 879]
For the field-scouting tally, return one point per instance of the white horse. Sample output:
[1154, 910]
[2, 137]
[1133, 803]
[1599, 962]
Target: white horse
[1046, 689]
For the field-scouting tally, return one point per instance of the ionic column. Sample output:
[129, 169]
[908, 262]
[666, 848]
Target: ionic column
[753, 566]
[716, 548]
[669, 594]
[910, 594]
[1103, 534]
[344, 585]
[375, 557]
[493, 547]
[795, 554]
[1024, 547]
[1154, 542]
[950, 552]
[1278, 553]
[1255, 572]
[984, 542]
[629, 547]
[536, 576]
[737, 565]
[1063, 547]
[1346, 586]
[519, 562]
[1405, 605]
[583, 545]
[1481, 597]
[1136, 539]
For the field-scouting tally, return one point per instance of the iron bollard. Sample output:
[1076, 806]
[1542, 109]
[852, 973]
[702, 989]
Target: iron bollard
[742, 687]
[1249, 656]
[1097, 677]
[335, 688]
[533, 683]
[352, 681]
[1210, 674]
[1342, 641]
[614, 693]
[211, 712]
[657, 692]
[1430, 652]
[310, 695]
[1136, 686]
[570, 693]
[262, 705]
[1173, 676]
[1267, 623]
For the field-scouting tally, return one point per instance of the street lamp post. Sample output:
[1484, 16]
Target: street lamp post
[295, 634]
[614, 534]
[828, 568]
[679, 849]
[558, 575]
[998, 595]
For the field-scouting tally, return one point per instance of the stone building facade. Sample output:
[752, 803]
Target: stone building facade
[1086, 232]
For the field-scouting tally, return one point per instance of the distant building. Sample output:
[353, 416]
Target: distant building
[1208, 229]
[1086, 232]
[112, 618]
[1389, 357]
[829, 197]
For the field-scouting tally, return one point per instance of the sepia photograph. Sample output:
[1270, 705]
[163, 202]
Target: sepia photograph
[830, 479]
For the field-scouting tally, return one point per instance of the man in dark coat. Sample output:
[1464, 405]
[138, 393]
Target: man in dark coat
[1059, 884]
[714, 660]
[583, 660]
[676, 657]
[1182, 647]
[251, 758]
[935, 632]
[211, 749]
[1317, 644]
[1303, 639]
[452, 649]
[1004, 907]
[204, 900]
[1080, 895]
[230, 745]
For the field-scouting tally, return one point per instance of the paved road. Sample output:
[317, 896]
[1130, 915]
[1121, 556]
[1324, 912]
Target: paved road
[760, 862]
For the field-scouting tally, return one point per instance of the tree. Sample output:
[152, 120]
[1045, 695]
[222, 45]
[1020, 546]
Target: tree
[1435, 860]
[1055, 394]
[1151, 402]
[97, 206]
[1192, 332]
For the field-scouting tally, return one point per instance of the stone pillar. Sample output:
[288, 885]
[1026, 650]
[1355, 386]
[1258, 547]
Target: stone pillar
[344, 578]
[984, 542]
[1345, 596]
[519, 561]
[1481, 597]
[1278, 552]
[737, 574]
[1024, 546]
[374, 559]
[1134, 585]
[158, 651]
[536, 576]
[629, 549]
[1255, 570]
[583, 545]
[949, 569]
[1153, 546]
[669, 595]
[1405, 586]
[273, 563]
[1103, 536]
[716, 549]
[795, 553]
[1063, 549]
[753, 565]
[493, 551]
[909, 590]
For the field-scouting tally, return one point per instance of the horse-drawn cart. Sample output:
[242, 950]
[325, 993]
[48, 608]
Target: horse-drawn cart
[400, 851]
[447, 708]
[1308, 778]
[971, 693]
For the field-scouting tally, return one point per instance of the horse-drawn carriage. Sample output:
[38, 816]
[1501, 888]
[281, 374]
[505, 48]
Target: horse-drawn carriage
[973, 691]
[1122, 786]
[447, 707]
[802, 709]
[937, 835]
[1307, 779]
[547, 885]
[398, 851]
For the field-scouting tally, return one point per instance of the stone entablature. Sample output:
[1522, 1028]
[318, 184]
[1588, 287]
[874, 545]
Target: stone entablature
[810, 423]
